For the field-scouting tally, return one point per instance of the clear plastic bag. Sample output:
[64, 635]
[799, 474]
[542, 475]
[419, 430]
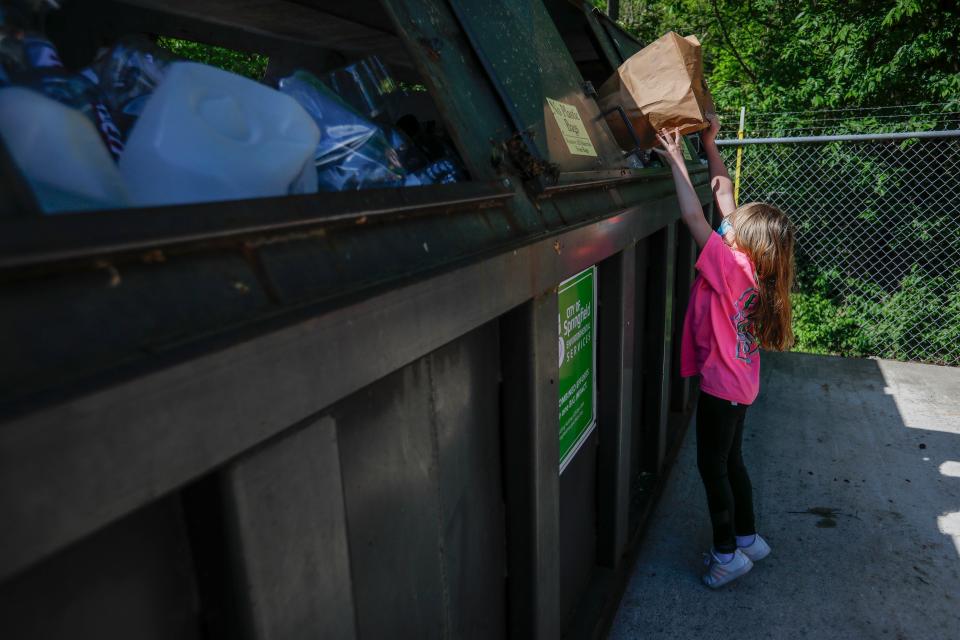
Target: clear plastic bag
[127, 74]
[353, 153]
[410, 156]
[369, 87]
[364, 85]
[441, 163]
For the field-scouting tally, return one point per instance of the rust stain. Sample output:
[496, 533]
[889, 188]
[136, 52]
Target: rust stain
[528, 165]
[154, 257]
[286, 237]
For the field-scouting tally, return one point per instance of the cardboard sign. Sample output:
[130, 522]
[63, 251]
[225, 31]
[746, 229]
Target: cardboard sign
[571, 128]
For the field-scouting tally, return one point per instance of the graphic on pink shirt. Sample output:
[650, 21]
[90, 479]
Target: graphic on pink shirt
[746, 336]
[719, 336]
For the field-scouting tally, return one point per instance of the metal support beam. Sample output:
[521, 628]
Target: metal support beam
[657, 350]
[617, 335]
[71, 466]
[530, 404]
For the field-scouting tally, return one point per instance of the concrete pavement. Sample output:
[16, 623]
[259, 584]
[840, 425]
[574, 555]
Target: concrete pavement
[856, 472]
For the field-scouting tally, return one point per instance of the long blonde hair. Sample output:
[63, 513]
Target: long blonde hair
[766, 235]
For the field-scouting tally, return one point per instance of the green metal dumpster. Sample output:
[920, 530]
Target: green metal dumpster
[353, 414]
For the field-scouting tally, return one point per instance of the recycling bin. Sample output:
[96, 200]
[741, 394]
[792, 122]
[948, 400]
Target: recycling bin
[423, 411]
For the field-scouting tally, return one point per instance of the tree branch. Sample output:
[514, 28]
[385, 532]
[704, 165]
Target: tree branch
[733, 50]
[758, 18]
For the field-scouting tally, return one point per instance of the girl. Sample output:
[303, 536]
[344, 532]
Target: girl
[739, 302]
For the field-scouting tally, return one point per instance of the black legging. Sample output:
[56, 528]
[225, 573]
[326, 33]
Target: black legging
[719, 459]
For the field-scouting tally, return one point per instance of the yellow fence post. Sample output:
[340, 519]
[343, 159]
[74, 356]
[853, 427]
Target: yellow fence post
[736, 180]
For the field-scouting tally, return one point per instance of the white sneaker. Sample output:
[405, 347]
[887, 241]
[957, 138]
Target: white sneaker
[758, 550]
[720, 573]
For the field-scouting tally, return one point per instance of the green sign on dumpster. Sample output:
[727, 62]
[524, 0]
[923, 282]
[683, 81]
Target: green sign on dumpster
[577, 301]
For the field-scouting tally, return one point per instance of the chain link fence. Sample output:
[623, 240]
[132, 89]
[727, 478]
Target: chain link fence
[878, 237]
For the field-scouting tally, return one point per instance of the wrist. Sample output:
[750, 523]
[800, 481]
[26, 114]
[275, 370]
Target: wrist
[677, 165]
[680, 171]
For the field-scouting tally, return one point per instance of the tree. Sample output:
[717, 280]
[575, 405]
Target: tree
[246, 64]
[802, 54]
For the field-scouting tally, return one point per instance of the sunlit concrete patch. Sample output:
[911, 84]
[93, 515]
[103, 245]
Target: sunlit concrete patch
[927, 396]
[856, 487]
[951, 469]
[949, 525]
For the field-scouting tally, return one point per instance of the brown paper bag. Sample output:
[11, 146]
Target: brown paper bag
[659, 87]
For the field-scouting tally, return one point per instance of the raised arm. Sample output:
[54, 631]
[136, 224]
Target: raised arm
[690, 209]
[720, 182]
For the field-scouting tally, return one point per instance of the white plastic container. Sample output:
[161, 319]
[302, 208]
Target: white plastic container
[59, 152]
[207, 134]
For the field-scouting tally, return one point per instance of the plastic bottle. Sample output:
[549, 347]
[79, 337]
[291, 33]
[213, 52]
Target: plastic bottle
[440, 172]
[60, 153]
[207, 134]
[128, 73]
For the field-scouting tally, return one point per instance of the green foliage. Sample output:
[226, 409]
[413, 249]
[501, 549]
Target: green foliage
[798, 54]
[862, 212]
[877, 242]
[920, 320]
[250, 65]
[820, 325]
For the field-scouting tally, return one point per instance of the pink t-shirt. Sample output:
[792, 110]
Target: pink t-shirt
[719, 342]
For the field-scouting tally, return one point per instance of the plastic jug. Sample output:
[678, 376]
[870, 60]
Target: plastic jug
[207, 134]
[60, 152]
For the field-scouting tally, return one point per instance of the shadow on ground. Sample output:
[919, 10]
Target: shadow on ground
[856, 471]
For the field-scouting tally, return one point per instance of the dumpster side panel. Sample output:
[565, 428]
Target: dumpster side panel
[72, 466]
[465, 397]
[420, 459]
[106, 316]
[578, 527]
[391, 491]
[133, 579]
[287, 522]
